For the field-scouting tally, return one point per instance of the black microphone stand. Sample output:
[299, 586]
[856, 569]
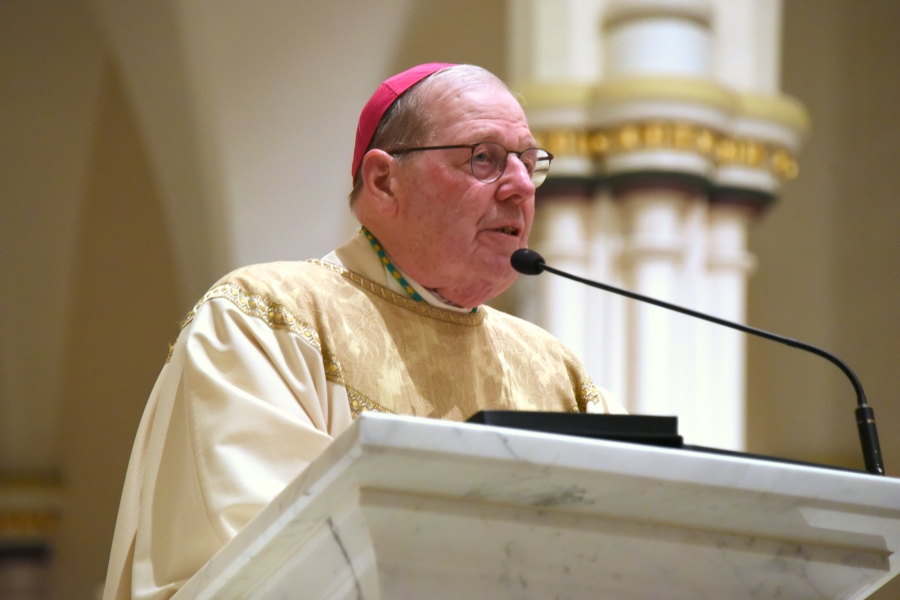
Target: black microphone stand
[529, 262]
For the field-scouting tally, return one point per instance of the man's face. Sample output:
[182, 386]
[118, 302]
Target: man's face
[459, 232]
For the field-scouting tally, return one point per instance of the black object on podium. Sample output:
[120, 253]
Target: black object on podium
[640, 429]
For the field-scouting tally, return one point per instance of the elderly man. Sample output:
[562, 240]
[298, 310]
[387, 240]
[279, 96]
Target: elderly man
[276, 360]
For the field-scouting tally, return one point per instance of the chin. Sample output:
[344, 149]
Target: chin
[484, 288]
[502, 280]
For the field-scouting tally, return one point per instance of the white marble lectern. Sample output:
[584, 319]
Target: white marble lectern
[402, 507]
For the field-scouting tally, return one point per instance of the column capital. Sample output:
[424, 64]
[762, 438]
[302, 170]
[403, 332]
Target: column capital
[620, 11]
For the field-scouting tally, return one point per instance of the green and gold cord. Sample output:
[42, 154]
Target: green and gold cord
[390, 266]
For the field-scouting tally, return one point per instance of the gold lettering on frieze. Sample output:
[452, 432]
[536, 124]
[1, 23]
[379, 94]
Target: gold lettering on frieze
[723, 150]
[755, 153]
[726, 151]
[599, 143]
[684, 137]
[706, 141]
[629, 138]
[564, 142]
[655, 135]
[784, 165]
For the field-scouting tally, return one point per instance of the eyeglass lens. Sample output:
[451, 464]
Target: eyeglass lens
[489, 160]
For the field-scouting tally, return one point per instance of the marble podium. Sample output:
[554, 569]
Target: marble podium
[410, 508]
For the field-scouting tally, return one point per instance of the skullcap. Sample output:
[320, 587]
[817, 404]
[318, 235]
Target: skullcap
[386, 94]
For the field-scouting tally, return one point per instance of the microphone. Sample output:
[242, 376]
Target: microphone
[529, 262]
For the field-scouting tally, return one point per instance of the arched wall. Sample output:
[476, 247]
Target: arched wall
[115, 341]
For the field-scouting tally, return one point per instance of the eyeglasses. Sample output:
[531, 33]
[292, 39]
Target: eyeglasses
[489, 160]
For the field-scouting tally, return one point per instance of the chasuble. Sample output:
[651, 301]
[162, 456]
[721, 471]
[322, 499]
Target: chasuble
[273, 363]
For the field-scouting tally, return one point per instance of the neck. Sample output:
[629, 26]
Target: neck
[412, 288]
[473, 294]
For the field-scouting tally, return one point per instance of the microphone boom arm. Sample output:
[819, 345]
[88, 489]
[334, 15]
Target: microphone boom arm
[865, 416]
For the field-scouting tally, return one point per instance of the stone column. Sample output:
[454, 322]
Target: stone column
[554, 56]
[654, 118]
[672, 136]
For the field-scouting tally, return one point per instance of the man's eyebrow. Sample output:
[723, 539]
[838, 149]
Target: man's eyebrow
[477, 137]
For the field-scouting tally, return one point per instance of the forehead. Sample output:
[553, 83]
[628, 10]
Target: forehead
[486, 112]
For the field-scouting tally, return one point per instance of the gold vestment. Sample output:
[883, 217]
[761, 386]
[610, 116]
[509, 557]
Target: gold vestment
[272, 364]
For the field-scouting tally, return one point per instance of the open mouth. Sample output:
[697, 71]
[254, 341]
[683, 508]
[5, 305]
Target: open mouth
[508, 230]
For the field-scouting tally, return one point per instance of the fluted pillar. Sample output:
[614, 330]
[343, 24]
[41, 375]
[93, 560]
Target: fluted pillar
[563, 208]
[676, 134]
[657, 113]
[607, 314]
[561, 238]
[650, 262]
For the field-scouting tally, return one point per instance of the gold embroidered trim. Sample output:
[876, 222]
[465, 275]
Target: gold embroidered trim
[588, 394]
[333, 371]
[277, 316]
[360, 404]
[420, 308]
[171, 351]
[272, 314]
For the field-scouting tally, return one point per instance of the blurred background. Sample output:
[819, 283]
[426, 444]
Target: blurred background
[147, 148]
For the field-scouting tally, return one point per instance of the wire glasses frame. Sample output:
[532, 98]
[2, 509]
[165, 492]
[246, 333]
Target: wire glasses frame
[489, 160]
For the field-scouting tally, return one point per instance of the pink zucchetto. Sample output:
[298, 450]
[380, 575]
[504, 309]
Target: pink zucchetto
[386, 94]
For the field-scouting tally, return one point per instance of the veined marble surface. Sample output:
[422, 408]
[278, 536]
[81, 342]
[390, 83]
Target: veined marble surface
[411, 508]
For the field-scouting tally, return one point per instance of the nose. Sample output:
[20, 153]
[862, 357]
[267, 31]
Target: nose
[515, 182]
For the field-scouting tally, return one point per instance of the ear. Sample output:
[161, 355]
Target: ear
[379, 172]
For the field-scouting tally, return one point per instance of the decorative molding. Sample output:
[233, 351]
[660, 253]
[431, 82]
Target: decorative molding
[720, 149]
[689, 185]
[27, 523]
[757, 135]
[619, 12]
[781, 109]
[677, 89]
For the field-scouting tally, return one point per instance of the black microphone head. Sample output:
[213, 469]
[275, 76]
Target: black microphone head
[527, 261]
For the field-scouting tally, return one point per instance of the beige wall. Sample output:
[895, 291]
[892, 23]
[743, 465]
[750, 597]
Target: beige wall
[122, 313]
[147, 147]
[48, 105]
[89, 293]
[829, 251]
